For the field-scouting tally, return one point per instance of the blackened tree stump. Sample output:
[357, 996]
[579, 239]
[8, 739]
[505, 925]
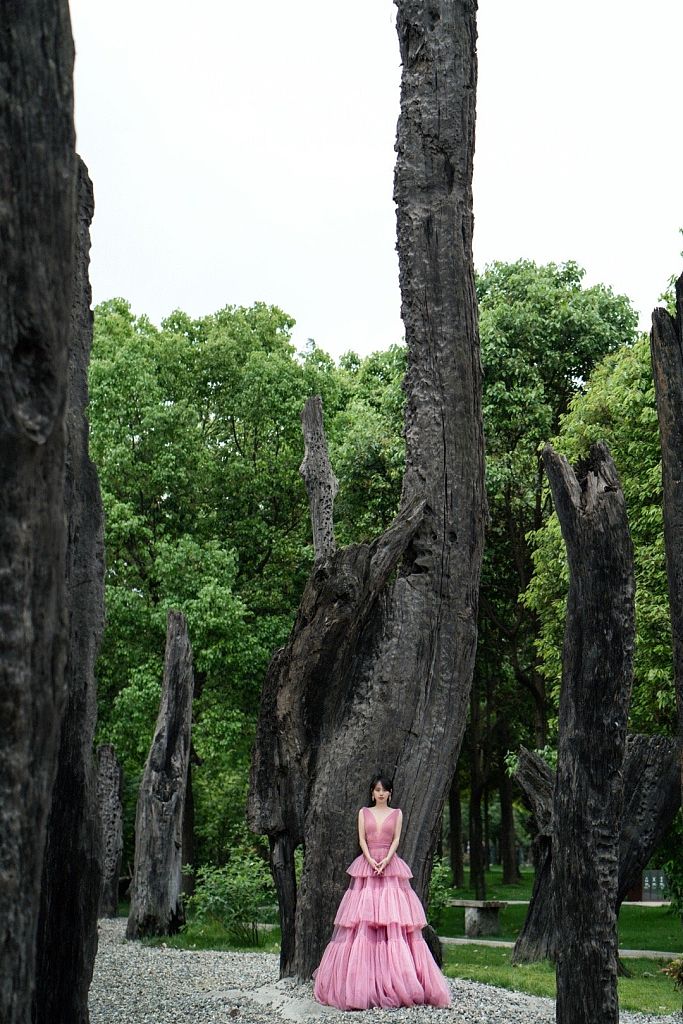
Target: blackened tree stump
[67, 934]
[38, 177]
[156, 900]
[110, 802]
[377, 670]
[594, 700]
[651, 798]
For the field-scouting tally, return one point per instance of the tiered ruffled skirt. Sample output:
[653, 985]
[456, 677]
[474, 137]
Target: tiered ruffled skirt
[377, 956]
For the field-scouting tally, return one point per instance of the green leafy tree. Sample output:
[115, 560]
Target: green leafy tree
[195, 431]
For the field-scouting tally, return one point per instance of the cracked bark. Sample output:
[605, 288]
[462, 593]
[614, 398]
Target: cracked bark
[651, 798]
[72, 867]
[110, 797]
[156, 906]
[38, 179]
[377, 670]
[596, 689]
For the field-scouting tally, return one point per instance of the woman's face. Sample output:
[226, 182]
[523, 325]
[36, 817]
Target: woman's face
[381, 795]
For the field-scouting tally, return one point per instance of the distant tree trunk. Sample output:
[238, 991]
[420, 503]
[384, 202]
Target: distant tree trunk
[72, 868]
[666, 343]
[110, 801]
[455, 837]
[156, 906]
[508, 839]
[651, 799]
[594, 700]
[377, 670]
[477, 783]
[38, 184]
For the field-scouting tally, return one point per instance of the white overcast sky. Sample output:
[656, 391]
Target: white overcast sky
[243, 151]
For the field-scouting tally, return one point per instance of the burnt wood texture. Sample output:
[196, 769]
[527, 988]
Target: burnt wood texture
[72, 868]
[596, 689]
[652, 795]
[38, 184]
[377, 671]
[110, 802]
[666, 345]
[156, 906]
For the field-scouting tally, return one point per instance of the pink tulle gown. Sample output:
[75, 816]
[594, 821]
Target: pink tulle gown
[377, 956]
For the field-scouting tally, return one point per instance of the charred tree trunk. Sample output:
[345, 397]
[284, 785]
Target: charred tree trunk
[156, 906]
[651, 799]
[72, 868]
[38, 184]
[594, 701]
[536, 941]
[377, 670]
[666, 343]
[110, 802]
[455, 837]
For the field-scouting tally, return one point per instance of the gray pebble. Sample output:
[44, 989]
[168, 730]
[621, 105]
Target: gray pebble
[136, 984]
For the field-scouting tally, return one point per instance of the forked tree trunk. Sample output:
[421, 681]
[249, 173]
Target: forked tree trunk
[666, 344]
[377, 670]
[651, 799]
[537, 938]
[156, 906]
[594, 700]
[38, 186]
[110, 803]
[72, 868]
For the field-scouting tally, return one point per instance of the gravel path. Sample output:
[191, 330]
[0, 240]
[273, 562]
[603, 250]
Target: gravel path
[136, 984]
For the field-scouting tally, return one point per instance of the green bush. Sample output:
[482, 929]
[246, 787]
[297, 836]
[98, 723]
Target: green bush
[234, 896]
[440, 891]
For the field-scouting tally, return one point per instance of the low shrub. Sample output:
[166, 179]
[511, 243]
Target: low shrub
[234, 896]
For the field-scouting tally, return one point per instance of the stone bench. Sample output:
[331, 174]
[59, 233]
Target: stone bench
[481, 916]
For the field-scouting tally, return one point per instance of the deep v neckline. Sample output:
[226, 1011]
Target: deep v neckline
[379, 826]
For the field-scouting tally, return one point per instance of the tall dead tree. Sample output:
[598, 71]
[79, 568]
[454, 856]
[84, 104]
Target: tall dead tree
[596, 690]
[377, 670]
[110, 803]
[72, 868]
[156, 906]
[38, 185]
[652, 795]
[666, 344]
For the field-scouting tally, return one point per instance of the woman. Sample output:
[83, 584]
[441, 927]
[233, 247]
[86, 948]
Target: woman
[377, 956]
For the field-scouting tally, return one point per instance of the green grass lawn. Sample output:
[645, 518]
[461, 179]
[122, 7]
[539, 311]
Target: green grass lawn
[648, 991]
[211, 935]
[495, 890]
[639, 927]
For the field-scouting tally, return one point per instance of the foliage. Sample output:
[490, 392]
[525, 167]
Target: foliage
[675, 971]
[541, 334]
[440, 891]
[670, 860]
[195, 432]
[367, 447]
[233, 896]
